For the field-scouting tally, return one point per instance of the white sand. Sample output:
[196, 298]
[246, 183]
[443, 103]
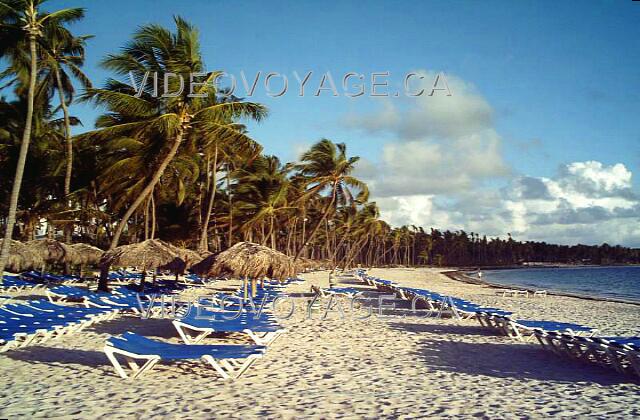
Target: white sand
[394, 367]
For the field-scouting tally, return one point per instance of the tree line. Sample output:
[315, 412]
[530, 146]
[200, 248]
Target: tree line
[185, 168]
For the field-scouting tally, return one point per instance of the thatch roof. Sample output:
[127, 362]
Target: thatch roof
[246, 259]
[147, 255]
[87, 254]
[52, 251]
[204, 266]
[205, 254]
[188, 256]
[21, 257]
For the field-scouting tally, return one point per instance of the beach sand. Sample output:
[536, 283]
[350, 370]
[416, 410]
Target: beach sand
[406, 367]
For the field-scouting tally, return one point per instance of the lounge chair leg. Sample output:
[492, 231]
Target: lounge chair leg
[146, 367]
[209, 359]
[247, 363]
[116, 364]
[181, 332]
[633, 357]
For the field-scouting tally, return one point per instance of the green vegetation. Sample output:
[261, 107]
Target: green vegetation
[184, 168]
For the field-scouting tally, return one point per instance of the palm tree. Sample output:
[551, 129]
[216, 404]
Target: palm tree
[261, 195]
[40, 184]
[22, 23]
[155, 50]
[367, 224]
[63, 57]
[221, 149]
[327, 167]
[170, 119]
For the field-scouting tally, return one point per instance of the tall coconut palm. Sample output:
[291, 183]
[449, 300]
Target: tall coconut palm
[170, 116]
[326, 167]
[63, 56]
[261, 194]
[156, 50]
[218, 150]
[22, 23]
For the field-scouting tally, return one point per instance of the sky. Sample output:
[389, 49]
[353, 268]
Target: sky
[539, 136]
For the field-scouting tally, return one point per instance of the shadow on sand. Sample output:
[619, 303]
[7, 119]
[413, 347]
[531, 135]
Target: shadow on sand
[52, 355]
[504, 360]
[442, 328]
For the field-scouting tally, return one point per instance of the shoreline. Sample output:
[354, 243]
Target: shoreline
[461, 276]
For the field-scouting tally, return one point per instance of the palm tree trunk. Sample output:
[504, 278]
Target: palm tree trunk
[204, 243]
[153, 214]
[272, 234]
[337, 247]
[230, 209]
[69, 152]
[146, 220]
[104, 272]
[147, 190]
[325, 213]
[358, 248]
[22, 158]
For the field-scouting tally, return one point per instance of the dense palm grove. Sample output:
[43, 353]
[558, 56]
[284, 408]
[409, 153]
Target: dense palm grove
[184, 168]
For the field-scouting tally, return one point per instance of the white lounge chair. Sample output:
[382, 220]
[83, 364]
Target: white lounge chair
[229, 361]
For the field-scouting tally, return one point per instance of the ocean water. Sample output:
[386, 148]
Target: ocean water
[612, 282]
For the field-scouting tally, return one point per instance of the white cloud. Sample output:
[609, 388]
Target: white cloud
[443, 163]
[412, 210]
[441, 143]
[569, 208]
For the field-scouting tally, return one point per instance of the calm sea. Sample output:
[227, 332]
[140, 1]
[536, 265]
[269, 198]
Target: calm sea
[613, 282]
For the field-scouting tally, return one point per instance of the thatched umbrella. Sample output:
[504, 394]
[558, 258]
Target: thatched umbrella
[52, 252]
[188, 256]
[148, 255]
[249, 260]
[21, 257]
[86, 255]
[203, 267]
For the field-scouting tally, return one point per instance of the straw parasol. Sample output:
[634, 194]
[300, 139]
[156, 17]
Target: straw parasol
[148, 255]
[188, 256]
[52, 251]
[253, 261]
[203, 267]
[246, 259]
[86, 254]
[21, 257]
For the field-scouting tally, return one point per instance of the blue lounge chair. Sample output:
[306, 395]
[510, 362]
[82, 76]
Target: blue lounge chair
[70, 293]
[523, 329]
[619, 353]
[229, 361]
[349, 292]
[15, 283]
[199, 323]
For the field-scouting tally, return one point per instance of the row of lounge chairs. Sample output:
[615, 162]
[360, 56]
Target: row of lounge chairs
[495, 318]
[16, 284]
[348, 292]
[228, 360]
[619, 353]
[38, 321]
[575, 341]
[33, 280]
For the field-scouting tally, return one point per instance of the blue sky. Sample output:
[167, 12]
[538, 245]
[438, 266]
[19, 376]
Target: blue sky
[558, 81]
